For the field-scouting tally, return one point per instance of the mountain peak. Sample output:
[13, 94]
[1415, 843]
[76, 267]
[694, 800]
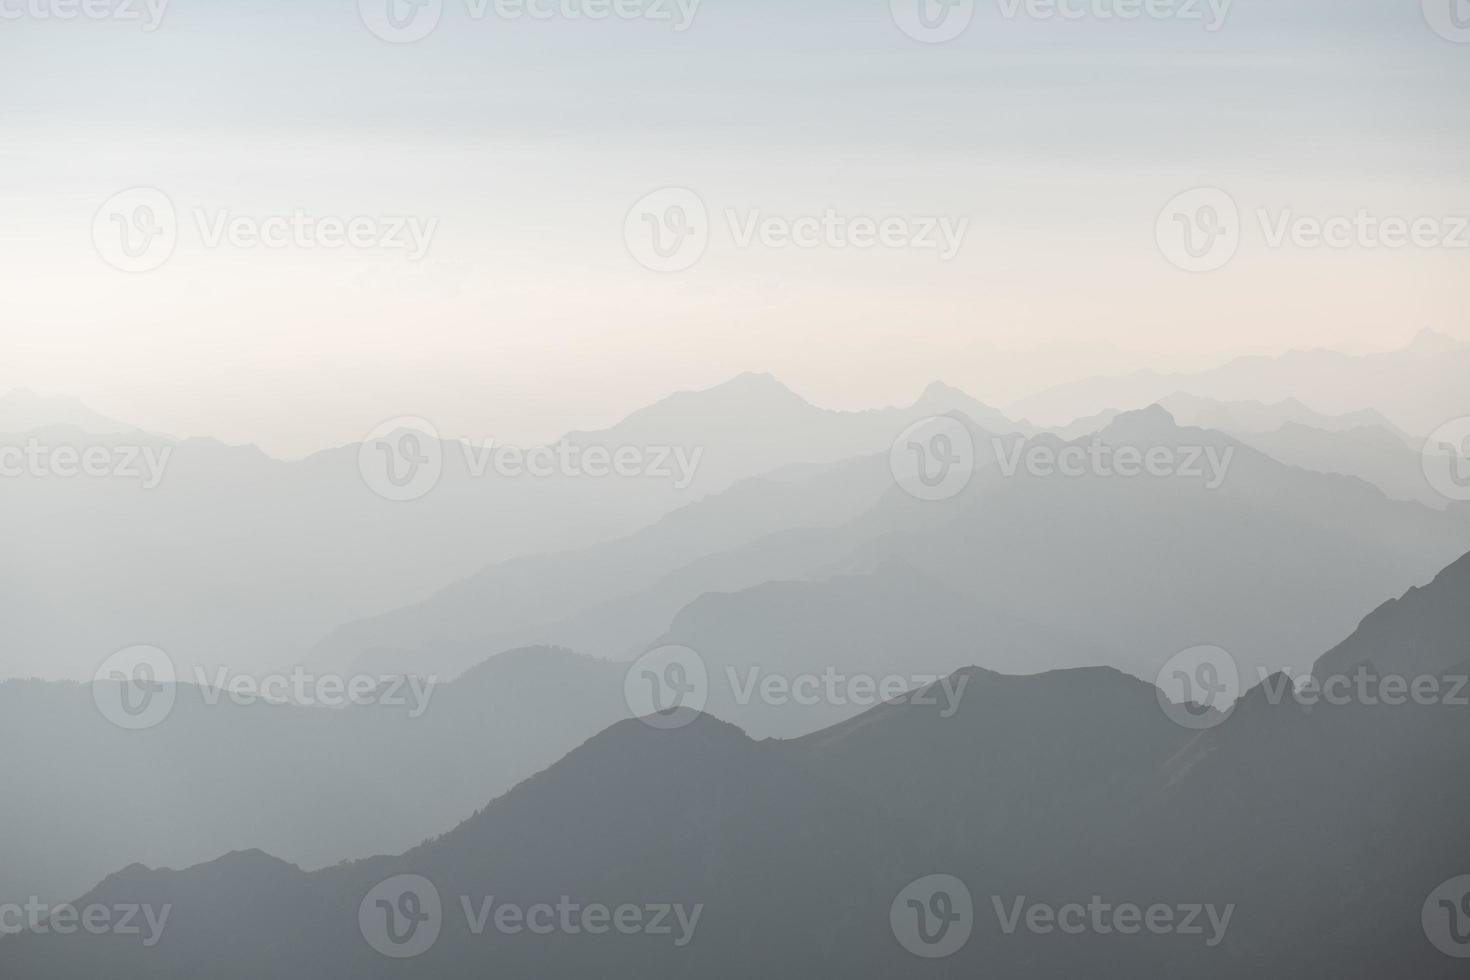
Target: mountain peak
[751, 390]
[1151, 421]
[24, 410]
[1431, 341]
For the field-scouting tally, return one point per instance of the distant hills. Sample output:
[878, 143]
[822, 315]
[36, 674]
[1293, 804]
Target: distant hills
[241, 560]
[1418, 387]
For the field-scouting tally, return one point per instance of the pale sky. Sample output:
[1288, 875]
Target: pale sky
[1059, 142]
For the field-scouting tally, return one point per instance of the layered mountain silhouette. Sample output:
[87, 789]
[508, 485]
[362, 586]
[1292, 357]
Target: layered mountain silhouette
[1148, 566]
[1322, 830]
[313, 785]
[1418, 387]
[240, 560]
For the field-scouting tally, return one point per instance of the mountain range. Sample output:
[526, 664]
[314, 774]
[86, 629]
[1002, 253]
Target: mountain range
[1314, 835]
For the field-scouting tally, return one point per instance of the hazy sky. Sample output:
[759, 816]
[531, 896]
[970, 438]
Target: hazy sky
[1059, 141]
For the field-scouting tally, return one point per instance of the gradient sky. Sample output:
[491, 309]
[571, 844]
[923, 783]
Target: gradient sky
[529, 142]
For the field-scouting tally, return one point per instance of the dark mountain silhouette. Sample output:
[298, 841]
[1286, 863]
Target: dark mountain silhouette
[1424, 632]
[216, 777]
[1322, 830]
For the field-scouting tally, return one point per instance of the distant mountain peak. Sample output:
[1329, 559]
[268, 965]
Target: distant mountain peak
[24, 410]
[1152, 419]
[939, 398]
[752, 391]
[1431, 341]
